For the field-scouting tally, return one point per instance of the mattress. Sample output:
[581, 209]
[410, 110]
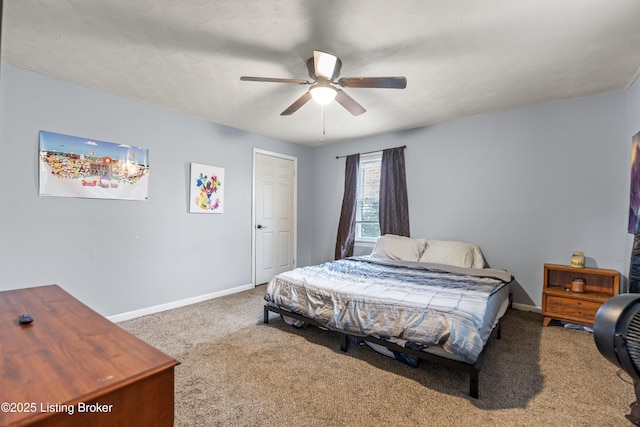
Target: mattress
[443, 309]
[497, 306]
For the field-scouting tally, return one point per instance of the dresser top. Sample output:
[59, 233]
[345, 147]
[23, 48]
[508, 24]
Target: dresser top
[68, 354]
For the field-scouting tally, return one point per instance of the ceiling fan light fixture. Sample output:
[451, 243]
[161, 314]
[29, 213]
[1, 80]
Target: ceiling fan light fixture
[323, 94]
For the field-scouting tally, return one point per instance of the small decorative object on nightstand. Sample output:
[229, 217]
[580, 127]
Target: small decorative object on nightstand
[576, 299]
[577, 285]
[577, 259]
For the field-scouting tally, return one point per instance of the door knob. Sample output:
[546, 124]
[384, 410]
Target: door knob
[260, 226]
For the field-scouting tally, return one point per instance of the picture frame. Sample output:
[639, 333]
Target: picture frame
[72, 166]
[634, 191]
[206, 189]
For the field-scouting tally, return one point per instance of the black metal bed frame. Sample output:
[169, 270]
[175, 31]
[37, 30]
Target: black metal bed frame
[472, 369]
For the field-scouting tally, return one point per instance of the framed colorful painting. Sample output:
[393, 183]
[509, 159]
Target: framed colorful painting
[206, 189]
[634, 196]
[71, 166]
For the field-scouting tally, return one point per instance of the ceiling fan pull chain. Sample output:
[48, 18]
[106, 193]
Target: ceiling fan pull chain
[323, 123]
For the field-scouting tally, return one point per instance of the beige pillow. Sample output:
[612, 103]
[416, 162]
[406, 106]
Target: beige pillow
[400, 248]
[451, 252]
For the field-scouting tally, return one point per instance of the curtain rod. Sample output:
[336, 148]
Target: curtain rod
[369, 152]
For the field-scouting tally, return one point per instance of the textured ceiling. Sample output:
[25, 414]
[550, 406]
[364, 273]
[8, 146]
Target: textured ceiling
[460, 57]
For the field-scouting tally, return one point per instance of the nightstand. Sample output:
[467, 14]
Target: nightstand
[562, 304]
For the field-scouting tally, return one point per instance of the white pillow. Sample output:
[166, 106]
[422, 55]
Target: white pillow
[450, 252]
[400, 248]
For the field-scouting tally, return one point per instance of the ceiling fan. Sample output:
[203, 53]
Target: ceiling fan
[324, 69]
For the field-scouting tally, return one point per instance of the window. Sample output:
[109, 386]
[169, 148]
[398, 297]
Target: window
[367, 225]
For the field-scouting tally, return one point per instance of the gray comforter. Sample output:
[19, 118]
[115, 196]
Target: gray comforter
[427, 304]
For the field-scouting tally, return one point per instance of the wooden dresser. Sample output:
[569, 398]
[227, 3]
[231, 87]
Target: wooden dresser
[559, 303]
[73, 367]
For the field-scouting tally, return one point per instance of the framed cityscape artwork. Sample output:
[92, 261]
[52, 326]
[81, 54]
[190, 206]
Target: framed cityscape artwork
[72, 166]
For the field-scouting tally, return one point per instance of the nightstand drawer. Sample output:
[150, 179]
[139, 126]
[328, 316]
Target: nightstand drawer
[571, 307]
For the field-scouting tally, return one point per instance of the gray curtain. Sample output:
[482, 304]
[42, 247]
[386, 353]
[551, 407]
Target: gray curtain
[394, 203]
[347, 225]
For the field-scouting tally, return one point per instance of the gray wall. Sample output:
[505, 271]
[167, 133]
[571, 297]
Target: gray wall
[529, 186]
[633, 107]
[119, 256]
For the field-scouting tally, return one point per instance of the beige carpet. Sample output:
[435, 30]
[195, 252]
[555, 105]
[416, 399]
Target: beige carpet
[237, 371]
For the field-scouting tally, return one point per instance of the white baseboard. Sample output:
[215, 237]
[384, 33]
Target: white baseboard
[525, 307]
[175, 304]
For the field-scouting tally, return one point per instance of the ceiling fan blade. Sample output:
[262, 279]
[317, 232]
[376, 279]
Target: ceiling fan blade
[349, 103]
[325, 65]
[274, 80]
[374, 82]
[297, 104]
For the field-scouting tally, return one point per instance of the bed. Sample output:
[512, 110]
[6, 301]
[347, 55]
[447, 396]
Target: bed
[411, 299]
